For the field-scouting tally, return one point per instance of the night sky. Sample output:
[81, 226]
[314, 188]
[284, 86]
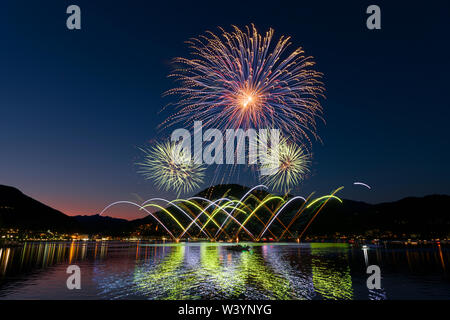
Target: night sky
[76, 105]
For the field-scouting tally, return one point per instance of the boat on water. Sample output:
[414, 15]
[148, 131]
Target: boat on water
[238, 248]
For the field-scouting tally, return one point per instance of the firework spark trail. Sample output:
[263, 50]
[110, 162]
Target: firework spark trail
[203, 210]
[279, 211]
[296, 216]
[272, 212]
[256, 209]
[241, 200]
[229, 205]
[140, 207]
[240, 79]
[146, 204]
[171, 203]
[362, 184]
[324, 197]
[221, 208]
[226, 212]
[165, 211]
[331, 196]
[255, 215]
[193, 221]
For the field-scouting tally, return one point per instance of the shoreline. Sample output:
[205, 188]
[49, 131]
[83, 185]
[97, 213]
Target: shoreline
[159, 242]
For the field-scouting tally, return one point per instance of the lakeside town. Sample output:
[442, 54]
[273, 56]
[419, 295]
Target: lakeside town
[14, 237]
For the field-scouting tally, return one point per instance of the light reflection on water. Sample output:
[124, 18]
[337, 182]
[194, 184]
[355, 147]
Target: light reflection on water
[120, 270]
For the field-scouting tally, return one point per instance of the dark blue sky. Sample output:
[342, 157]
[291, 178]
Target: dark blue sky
[76, 104]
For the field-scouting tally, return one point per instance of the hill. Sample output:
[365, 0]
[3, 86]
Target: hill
[20, 211]
[425, 216]
[96, 224]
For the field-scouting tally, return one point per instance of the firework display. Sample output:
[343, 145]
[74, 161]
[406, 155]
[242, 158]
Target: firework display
[226, 217]
[288, 168]
[243, 79]
[171, 168]
[199, 151]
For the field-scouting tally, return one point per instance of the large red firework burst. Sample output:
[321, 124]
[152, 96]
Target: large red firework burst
[242, 79]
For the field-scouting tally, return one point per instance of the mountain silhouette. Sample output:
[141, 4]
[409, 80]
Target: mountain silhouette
[20, 211]
[422, 216]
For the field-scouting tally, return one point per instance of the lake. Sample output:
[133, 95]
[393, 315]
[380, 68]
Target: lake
[144, 270]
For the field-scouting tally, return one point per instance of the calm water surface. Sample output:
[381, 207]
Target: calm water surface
[120, 270]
